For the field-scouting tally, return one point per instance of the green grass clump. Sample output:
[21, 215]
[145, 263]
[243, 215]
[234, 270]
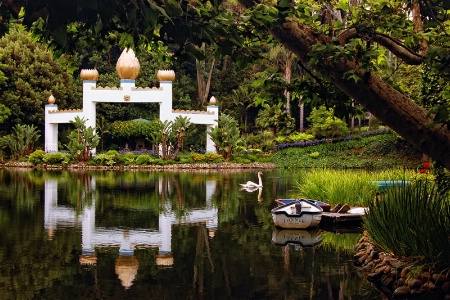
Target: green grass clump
[352, 187]
[412, 221]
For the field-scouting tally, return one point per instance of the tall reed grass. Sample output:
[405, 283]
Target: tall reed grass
[412, 220]
[355, 188]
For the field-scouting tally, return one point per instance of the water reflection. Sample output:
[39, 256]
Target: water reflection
[300, 238]
[127, 240]
[167, 235]
[253, 189]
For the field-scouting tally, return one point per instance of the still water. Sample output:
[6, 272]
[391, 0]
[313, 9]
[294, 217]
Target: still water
[163, 235]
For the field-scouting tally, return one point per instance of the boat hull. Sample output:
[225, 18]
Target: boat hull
[287, 216]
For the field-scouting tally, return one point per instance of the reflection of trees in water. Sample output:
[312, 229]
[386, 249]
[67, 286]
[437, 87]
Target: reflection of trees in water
[238, 262]
[202, 251]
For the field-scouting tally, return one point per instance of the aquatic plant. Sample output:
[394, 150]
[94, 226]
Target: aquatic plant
[412, 221]
[352, 187]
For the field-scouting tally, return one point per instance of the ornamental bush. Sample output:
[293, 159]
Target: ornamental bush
[37, 157]
[145, 159]
[325, 124]
[56, 158]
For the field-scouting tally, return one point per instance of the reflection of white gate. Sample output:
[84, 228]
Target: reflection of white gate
[129, 239]
[128, 69]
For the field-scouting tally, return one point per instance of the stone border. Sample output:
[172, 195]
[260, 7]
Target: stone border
[399, 278]
[203, 166]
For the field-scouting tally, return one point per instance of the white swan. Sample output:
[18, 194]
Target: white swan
[251, 184]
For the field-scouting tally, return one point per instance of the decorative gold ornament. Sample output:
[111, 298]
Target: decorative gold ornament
[89, 74]
[51, 99]
[212, 100]
[165, 75]
[127, 66]
[126, 98]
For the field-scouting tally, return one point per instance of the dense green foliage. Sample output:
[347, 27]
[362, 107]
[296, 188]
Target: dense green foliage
[21, 141]
[225, 136]
[32, 76]
[325, 124]
[82, 140]
[379, 151]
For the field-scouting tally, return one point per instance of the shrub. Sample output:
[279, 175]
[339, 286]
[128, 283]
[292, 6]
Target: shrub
[382, 146]
[325, 124]
[196, 157]
[208, 157]
[56, 158]
[108, 159]
[211, 157]
[299, 137]
[186, 159]
[37, 157]
[128, 158]
[144, 159]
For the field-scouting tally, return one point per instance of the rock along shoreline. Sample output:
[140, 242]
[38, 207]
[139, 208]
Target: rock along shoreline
[399, 278]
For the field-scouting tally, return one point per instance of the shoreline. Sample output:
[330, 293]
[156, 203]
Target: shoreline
[400, 278]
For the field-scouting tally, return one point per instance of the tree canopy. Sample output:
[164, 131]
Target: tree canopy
[340, 42]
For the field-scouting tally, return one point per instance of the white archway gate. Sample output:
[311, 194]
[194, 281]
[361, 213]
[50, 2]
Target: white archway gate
[128, 69]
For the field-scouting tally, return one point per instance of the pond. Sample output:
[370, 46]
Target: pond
[164, 235]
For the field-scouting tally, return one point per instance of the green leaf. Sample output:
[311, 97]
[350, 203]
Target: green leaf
[283, 3]
[173, 8]
[195, 52]
[60, 34]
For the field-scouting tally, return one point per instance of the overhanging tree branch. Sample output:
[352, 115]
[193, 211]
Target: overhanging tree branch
[389, 105]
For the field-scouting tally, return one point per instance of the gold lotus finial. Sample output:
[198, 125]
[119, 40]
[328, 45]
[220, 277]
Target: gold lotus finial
[127, 66]
[166, 75]
[89, 74]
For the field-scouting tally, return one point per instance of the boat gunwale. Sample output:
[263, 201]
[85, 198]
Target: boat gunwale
[278, 210]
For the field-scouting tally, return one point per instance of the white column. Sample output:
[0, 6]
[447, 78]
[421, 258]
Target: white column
[89, 105]
[51, 130]
[210, 146]
[165, 107]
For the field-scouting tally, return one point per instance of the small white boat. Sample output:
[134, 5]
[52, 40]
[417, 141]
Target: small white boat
[302, 237]
[297, 215]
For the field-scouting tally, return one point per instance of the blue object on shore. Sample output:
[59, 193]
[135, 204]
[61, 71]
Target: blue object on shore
[383, 185]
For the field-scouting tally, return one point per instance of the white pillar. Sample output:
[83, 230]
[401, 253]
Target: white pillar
[165, 107]
[51, 130]
[89, 106]
[210, 146]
